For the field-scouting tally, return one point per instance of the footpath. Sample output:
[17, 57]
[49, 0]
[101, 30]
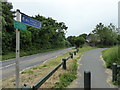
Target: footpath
[92, 61]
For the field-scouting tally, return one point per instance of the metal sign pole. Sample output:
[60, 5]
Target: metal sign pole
[17, 49]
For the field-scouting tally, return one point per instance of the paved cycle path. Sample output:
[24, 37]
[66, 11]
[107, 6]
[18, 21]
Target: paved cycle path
[91, 61]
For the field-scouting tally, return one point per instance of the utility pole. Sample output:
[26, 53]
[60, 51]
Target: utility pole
[119, 16]
[17, 50]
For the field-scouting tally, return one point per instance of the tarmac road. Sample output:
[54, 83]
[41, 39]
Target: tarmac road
[8, 67]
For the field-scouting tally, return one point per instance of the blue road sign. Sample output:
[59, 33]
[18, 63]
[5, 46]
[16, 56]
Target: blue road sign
[29, 21]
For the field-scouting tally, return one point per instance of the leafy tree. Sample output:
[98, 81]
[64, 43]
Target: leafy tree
[83, 35]
[71, 39]
[7, 28]
[106, 34]
[33, 39]
[79, 41]
[7, 16]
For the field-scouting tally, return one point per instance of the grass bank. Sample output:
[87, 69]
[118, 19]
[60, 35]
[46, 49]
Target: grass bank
[112, 55]
[11, 55]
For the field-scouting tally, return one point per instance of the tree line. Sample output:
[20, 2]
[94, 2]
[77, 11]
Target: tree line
[48, 37]
[102, 36]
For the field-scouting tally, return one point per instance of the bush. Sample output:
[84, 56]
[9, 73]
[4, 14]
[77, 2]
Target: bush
[65, 80]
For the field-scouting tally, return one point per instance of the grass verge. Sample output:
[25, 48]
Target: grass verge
[112, 55]
[11, 55]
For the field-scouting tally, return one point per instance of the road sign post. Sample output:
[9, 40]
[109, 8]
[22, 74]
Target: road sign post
[19, 24]
[17, 49]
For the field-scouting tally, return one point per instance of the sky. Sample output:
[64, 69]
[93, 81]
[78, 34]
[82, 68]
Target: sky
[81, 16]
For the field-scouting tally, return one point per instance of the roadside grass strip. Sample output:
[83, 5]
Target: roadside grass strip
[11, 55]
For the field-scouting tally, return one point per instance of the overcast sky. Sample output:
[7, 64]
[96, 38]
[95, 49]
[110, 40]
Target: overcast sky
[81, 16]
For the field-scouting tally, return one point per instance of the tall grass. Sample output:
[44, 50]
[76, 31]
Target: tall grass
[111, 56]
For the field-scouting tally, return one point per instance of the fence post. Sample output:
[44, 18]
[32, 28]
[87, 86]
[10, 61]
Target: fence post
[71, 54]
[114, 72]
[77, 50]
[74, 52]
[64, 63]
[87, 80]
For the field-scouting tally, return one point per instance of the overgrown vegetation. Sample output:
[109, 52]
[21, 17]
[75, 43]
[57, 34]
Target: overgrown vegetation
[67, 78]
[112, 55]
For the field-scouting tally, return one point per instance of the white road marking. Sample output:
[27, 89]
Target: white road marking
[31, 66]
[7, 66]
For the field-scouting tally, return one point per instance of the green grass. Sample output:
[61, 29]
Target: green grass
[111, 56]
[67, 78]
[11, 55]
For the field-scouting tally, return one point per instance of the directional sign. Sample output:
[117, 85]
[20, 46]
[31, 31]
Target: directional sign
[29, 21]
[19, 25]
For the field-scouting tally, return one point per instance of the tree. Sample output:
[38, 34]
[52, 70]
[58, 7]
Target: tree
[71, 39]
[79, 41]
[106, 34]
[33, 38]
[83, 35]
[7, 16]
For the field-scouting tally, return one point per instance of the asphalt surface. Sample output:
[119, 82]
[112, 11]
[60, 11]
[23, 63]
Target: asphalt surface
[8, 67]
[92, 62]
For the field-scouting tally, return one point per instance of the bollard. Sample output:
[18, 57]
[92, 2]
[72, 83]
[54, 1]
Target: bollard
[87, 80]
[77, 50]
[118, 68]
[74, 52]
[72, 55]
[114, 72]
[64, 63]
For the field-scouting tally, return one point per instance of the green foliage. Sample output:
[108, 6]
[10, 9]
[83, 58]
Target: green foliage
[65, 80]
[111, 56]
[104, 35]
[7, 16]
[77, 41]
[33, 39]
[71, 39]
